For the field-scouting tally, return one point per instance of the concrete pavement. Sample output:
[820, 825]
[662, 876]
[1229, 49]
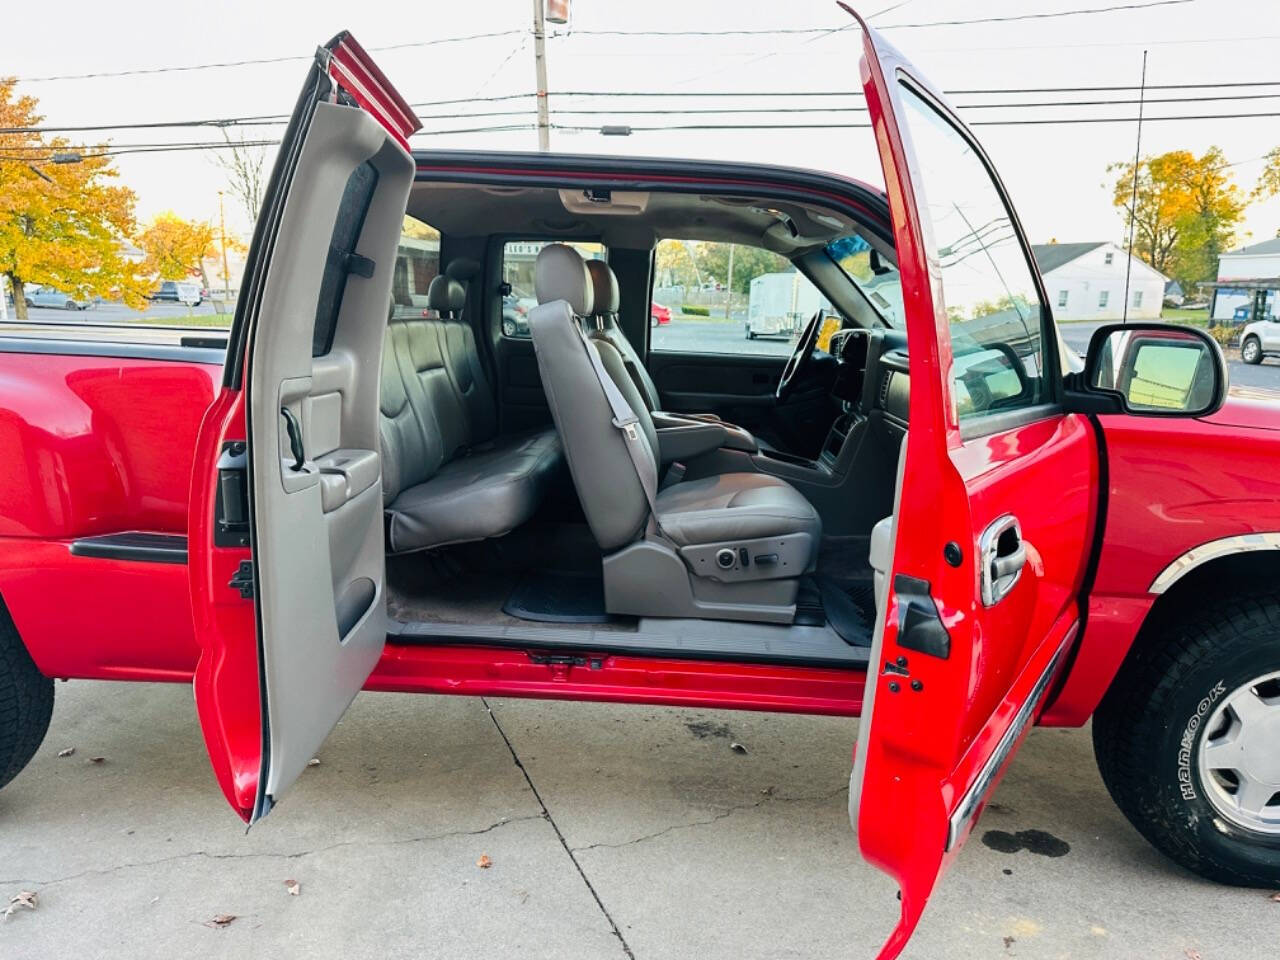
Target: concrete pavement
[612, 832]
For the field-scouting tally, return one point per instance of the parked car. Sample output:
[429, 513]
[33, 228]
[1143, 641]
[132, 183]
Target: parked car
[659, 315]
[515, 313]
[1259, 340]
[178, 291]
[1002, 540]
[50, 297]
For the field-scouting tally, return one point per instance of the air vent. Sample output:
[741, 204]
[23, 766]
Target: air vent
[884, 388]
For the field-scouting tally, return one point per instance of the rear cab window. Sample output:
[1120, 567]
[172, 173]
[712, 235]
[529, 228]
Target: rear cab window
[726, 298]
[518, 296]
[417, 264]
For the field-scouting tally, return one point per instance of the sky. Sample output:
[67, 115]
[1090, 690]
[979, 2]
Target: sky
[1056, 174]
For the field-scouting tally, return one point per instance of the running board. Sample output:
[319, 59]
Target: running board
[678, 638]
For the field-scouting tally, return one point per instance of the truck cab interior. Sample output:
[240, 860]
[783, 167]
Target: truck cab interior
[550, 478]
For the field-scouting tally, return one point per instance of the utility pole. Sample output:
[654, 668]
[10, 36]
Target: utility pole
[540, 67]
[222, 230]
[728, 299]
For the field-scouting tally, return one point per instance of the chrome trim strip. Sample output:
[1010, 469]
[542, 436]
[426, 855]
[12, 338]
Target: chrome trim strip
[990, 770]
[1213, 550]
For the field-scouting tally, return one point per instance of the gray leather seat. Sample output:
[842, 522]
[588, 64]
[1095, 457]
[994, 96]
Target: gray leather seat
[744, 531]
[447, 476]
[606, 300]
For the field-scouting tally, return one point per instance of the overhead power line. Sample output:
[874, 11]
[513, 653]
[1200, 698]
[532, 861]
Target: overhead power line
[254, 61]
[817, 31]
[278, 119]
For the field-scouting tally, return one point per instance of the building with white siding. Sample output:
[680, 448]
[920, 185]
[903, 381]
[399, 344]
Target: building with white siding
[1086, 281]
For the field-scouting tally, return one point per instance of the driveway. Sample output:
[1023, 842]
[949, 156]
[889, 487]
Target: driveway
[611, 831]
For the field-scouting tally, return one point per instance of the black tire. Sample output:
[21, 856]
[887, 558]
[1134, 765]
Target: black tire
[1149, 727]
[26, 702]
[1251, 356]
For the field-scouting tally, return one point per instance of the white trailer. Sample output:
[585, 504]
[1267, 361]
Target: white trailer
[779, 304]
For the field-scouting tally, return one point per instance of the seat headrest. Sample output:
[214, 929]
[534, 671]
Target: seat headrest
[559, 273]
[462, 269]
[446, 296]
[604, 287]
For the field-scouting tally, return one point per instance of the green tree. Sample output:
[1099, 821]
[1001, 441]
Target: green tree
[748, 263]
[1268, 184]
[61, 224]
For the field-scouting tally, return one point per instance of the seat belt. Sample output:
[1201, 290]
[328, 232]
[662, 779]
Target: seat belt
[625, 419]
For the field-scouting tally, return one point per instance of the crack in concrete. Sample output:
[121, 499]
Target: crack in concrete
[617, 931]
[267, 855]
[723, 814]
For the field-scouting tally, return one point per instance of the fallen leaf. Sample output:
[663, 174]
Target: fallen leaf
[221, 920]
[67, 752]
[484, 863]
[737, 747]
[1192, 954]
[292, 887]
[1009, 942]
[97, 759]
[313, 762]
[25, 898]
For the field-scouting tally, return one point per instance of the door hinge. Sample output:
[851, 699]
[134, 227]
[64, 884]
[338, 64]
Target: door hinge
[231, 507]
[243, 579]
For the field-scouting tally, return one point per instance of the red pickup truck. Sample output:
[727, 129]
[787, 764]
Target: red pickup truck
[944, 522]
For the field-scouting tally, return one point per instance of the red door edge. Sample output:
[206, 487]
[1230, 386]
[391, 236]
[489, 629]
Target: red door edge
[352, 69]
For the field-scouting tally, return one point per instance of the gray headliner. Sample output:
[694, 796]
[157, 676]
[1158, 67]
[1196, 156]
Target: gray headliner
[483, 210]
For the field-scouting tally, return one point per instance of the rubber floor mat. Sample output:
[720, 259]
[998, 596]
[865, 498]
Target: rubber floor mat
[547, 596]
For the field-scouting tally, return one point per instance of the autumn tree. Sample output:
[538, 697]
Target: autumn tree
[1186, 213]
[61, 223]
[177, 248]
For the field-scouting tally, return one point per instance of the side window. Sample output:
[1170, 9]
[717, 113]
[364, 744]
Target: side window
[517, 272]
[417, 264]
[356, 196]
[1062, 297]
[988, 286]
[711, 297]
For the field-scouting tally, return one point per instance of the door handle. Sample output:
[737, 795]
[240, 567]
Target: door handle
[1003, 555]
[294, 431]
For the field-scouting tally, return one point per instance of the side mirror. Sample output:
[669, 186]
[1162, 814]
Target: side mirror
[1154, 369]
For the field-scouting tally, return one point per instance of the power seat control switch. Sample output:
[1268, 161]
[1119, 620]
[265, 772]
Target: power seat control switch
[726, 558]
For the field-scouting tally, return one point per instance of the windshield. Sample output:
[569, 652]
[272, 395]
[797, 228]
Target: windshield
[872, 274]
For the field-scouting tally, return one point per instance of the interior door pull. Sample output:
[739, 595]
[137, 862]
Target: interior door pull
[294, 431]
[1003, 555]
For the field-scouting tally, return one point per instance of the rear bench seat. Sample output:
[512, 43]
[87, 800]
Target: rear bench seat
[447, 477]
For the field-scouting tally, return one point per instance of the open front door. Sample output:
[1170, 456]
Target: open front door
[981, 567]
[285, 525]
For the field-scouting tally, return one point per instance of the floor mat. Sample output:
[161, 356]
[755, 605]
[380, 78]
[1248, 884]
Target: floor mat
[850, 609]
[549, 596]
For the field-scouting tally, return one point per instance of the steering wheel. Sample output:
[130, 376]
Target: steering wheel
[800, 358]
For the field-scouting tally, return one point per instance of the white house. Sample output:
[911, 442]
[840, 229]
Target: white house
[1086, 281]
[1256, 268]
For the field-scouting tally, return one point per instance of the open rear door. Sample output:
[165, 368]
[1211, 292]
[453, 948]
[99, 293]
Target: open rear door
[285, 525]
[981, 566]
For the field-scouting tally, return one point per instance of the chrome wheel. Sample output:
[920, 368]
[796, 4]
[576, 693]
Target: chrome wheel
[1239, 756]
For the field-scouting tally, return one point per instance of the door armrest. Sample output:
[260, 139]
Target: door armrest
[345, 474]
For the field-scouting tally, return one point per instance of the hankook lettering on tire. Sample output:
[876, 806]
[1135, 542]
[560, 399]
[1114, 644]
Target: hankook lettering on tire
[1185, 745]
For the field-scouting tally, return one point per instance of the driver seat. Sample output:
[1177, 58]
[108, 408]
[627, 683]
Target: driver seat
[728, 547]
